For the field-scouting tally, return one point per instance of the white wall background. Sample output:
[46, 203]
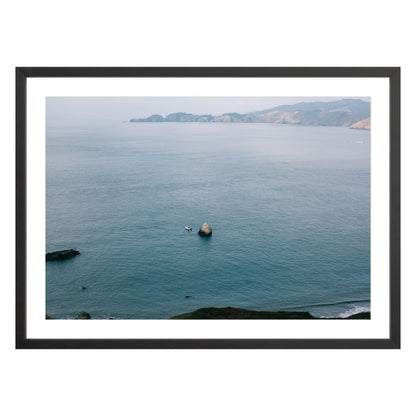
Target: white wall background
[215, 33]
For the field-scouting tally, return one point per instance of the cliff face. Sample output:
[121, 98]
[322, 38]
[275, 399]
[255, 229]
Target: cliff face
[345, 113]
[362, 124]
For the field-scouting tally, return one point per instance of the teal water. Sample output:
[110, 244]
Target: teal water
[289, 207]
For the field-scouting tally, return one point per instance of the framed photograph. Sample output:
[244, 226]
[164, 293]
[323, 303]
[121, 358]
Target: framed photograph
[208, 207]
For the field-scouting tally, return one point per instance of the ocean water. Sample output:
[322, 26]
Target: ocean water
[289, 207]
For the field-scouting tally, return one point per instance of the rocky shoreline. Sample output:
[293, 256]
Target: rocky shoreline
[236, 313]
[362, 125]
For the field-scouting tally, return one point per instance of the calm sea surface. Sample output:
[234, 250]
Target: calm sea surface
[289, 208]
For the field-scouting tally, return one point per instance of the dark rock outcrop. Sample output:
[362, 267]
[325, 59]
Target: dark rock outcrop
[236, 313]
[83, 315]
[61, 255]
[205, 230]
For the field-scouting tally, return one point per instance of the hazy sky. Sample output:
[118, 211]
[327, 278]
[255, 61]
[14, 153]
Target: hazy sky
[125, 108]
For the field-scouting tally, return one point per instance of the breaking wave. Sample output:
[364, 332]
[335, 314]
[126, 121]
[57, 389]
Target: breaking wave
[354, 311]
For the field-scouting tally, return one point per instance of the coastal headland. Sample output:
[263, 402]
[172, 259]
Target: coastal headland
[353, 113]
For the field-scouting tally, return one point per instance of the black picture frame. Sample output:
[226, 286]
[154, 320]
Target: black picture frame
[23, 73]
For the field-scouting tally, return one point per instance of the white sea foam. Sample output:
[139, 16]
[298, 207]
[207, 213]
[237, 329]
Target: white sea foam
[354, 311]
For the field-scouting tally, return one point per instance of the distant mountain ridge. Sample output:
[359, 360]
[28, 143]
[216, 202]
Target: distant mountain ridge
[345, 112]
[347, 105]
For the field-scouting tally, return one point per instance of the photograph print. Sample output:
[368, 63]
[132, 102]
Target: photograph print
[208, 208]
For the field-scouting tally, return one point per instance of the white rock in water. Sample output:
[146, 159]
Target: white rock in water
[205, 230]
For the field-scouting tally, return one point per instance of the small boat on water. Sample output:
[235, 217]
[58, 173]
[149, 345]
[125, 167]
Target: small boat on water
[188, 228]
